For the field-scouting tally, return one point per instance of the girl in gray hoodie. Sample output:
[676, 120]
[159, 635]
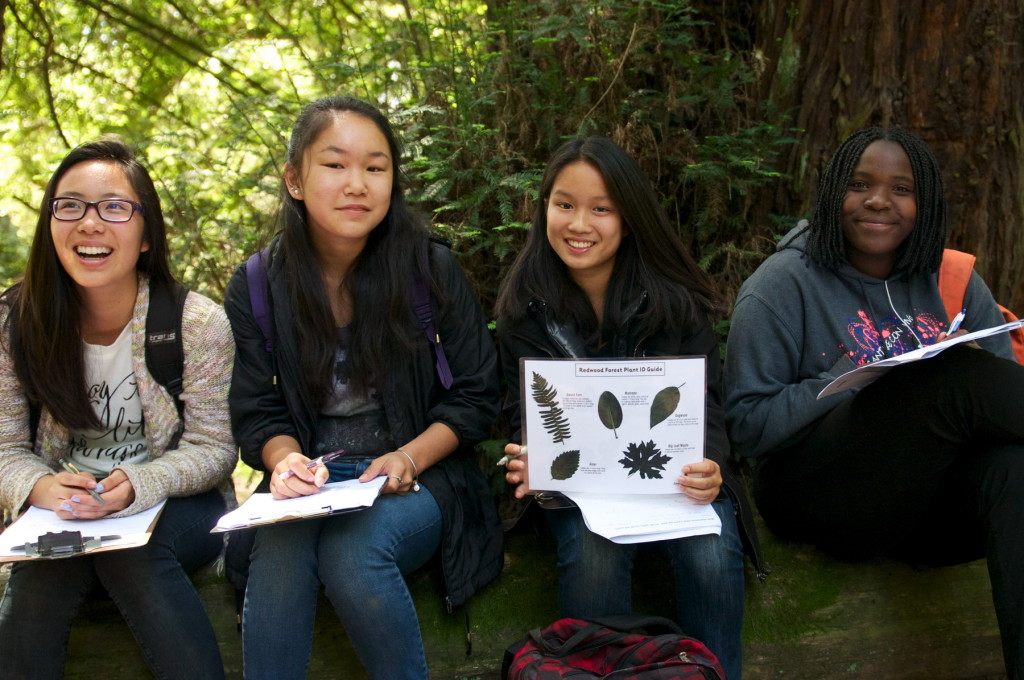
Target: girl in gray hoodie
[931, 449]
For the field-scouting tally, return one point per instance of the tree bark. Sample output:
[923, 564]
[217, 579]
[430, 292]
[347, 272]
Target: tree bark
[949, 70]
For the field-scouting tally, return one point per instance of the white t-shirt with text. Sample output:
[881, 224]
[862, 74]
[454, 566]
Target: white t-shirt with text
[115, 397]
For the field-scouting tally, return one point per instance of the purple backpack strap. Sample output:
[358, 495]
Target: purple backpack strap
[421, 304]
[259, 293]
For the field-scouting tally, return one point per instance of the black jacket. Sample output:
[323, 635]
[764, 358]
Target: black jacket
[538, 334]
[269, 398]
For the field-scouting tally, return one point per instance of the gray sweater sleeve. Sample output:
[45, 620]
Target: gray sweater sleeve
[767, 403]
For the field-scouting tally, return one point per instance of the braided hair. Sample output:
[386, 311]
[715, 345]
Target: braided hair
[922, 251]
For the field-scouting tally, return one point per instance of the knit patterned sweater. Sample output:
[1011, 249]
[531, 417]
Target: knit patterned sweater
[206, 454]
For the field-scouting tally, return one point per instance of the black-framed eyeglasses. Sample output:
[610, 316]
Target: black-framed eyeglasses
[109, 209]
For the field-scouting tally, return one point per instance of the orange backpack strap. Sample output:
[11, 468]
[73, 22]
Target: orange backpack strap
[954, 275]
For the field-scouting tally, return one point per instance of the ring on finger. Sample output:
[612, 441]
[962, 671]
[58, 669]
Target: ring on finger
[397, 477]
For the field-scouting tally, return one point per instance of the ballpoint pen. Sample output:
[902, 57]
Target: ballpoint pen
[315, 462]
[70, 467]
[954, 325]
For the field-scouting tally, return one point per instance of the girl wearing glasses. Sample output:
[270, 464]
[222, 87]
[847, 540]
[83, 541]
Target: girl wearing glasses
[86, 431]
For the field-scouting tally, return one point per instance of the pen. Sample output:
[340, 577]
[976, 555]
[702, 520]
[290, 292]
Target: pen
[503, 461]
[957, 320]
[70, 467]
[315, 462]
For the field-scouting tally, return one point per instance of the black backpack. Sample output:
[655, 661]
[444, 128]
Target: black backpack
[165, 353]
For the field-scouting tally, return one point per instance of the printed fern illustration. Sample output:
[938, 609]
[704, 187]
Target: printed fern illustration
[664, 404]
[645, 458]
[554, 421]
[565, 465]
[610, 412]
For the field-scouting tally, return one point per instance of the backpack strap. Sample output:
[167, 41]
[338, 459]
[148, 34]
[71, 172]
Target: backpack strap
[420, 294]
[259, 295]
[259, 298]
[954, 275]
[165, 352]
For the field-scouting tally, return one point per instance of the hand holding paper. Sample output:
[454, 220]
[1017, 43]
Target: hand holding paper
[865, 375]
[516, 462]
[263, 508]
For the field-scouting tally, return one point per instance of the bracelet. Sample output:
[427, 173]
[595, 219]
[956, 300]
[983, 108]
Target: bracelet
[415, 470]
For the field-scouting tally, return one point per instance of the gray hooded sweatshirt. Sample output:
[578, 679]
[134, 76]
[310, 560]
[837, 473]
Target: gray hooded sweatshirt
[796, 326]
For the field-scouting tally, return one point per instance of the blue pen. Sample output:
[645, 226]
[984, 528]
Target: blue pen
[957, 320]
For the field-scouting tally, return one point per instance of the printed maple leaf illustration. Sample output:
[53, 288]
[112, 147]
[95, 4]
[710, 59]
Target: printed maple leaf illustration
[645, 458]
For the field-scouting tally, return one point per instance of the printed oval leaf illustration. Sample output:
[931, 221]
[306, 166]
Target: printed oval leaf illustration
[554, 420]
[610, 412]
[664, 404]
[565, 465]
[645, 458]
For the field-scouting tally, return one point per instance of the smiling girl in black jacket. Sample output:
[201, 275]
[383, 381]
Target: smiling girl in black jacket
[604, 274]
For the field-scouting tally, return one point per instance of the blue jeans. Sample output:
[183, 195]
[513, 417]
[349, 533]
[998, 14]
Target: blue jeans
[594, 579]
[150, 586]
[360, 557]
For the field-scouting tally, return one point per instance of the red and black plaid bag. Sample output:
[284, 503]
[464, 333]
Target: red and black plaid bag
[605, 648]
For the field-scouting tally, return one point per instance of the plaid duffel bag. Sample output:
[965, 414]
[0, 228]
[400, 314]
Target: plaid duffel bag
[610, 647]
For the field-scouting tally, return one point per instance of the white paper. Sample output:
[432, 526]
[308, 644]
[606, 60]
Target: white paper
[641, 519]
[868, 373]
[35, 522]
[573, 450]
[262, 508]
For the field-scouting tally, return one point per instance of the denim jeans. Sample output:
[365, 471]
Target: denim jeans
[150, 586]
[360, 558]
[594, 579]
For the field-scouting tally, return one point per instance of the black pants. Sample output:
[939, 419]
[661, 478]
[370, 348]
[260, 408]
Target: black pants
[925, 464]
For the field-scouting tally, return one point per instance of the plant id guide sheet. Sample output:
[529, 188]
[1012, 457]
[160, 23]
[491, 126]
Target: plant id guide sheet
[623, 426]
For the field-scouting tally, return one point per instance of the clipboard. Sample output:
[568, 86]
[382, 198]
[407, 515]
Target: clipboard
[40, 534]
[337, 497]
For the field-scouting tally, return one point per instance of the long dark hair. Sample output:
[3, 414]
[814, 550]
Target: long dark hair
[44, 321]
[922, 251]
[382, 320]
[651, 257]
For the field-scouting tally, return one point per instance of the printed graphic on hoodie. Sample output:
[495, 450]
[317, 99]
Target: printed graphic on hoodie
[893, 336]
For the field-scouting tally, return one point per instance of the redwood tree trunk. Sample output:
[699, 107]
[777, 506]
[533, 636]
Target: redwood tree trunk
[950, 70]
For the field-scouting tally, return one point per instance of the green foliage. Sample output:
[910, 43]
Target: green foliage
[481, 93]
[12, 255]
